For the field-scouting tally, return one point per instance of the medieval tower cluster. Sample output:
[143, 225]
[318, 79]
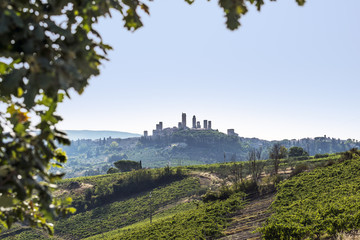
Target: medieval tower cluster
[196, 125]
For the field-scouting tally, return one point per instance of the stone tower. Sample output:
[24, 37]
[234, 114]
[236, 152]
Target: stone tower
[183, 120]
[194, 122]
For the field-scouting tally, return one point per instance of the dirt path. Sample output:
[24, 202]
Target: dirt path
[248, 219]
[207, 179]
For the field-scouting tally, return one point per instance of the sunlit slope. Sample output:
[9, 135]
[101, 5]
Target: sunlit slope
[206, 221]
[319, 203]
[122, 213]
[118, 206]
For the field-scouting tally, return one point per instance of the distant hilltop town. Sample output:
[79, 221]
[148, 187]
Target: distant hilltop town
[159, 131]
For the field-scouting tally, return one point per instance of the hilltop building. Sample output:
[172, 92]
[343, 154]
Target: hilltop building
[231, 132]
[157, 131]
[183, 120]
[160, 131]
[205, 124]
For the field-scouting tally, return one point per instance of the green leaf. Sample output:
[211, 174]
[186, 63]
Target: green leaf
[17, 19]
[20, 128]
[4, 24]
[12, 81]
[29, 96]
[3, 67]
[71, 210]
[6, 201]
[4, 170]
[60, 155]
[20, 92]
[301, 2]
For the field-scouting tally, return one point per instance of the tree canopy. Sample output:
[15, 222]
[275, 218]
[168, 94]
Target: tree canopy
[297, 152]
[48, 47]
[127, 165]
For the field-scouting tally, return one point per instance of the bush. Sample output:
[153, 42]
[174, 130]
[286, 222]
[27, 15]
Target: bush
[210, 196]
[73, 185]
[297, 152]
[301, 158]
[112, 170]
[226, 192]
[330, 163]
[318, 155]
[299, 169]
[277, 178]
[349, 154]
[247, 186]
[127, 165]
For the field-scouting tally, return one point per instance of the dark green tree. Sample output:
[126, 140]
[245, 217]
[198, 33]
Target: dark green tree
[297, 152]
[127, 165]
[48, 47]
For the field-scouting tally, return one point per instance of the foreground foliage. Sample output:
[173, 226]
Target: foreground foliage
[319, 203]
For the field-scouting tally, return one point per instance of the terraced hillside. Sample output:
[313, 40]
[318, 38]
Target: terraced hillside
[246, 221]
[109, 203]
[316, 198]
[318, 204]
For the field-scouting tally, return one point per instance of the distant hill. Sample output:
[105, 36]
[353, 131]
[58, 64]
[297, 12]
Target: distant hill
[94, 134]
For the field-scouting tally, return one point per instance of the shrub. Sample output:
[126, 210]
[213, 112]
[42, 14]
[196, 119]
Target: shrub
[297, 152]
[225, 192]
[127, 165]
[73, 185]
[301, 158]
[299, 169]
[330, 162]
[318, 155]
[210, 196]
[112, 170]
[247, 186]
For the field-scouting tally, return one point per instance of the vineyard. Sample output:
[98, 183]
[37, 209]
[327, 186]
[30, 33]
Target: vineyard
[317, 198]
[123, 213]
[206, 221]
[316, 204]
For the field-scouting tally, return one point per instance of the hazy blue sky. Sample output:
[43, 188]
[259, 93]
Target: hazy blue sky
[287, 72]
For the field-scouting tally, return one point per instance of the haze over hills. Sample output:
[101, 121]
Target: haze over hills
[96, 134]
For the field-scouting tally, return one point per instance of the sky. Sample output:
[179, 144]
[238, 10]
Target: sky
[288, 72]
